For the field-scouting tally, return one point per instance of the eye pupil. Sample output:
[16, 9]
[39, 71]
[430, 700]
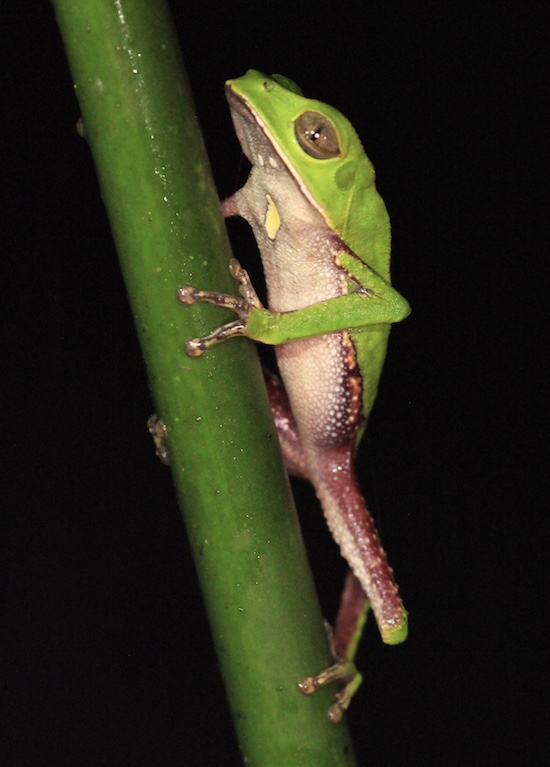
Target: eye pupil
[317, 136]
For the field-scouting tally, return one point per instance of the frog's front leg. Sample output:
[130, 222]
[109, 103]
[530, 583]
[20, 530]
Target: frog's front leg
[241, 305]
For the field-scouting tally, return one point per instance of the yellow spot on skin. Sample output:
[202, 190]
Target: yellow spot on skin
[272, 219]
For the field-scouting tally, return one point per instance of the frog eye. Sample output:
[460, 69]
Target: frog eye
[317, 136]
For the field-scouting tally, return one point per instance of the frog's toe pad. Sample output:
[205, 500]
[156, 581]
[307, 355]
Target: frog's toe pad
[348, 679]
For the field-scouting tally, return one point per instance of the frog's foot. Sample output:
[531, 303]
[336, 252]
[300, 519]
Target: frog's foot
[241, 305]
[352, 614]
[348, 679]
[157, 429]
[246, 290]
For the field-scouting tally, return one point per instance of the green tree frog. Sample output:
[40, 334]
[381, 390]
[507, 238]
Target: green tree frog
[324, 239]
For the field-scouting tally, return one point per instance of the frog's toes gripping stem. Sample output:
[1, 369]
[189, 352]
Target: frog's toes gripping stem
[190, 295]
[157, 429]
[240, 305]
[349, 679]
[195, 347]
[247, 289]
[344, 640]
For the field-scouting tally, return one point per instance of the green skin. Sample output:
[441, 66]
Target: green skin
[324, 238]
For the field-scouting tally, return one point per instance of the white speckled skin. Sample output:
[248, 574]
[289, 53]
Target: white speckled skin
[320, 374]
[300, 270]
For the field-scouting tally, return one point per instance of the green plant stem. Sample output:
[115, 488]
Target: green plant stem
[165, 218]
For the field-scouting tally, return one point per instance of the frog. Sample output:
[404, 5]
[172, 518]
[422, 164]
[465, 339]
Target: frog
[324, 238]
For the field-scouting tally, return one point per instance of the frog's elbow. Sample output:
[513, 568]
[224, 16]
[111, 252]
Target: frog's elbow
[402, 309]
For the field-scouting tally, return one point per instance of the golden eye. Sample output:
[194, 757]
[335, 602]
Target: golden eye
[317, 136]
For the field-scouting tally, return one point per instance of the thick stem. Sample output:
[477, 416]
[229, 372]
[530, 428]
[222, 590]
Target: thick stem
[139, 120]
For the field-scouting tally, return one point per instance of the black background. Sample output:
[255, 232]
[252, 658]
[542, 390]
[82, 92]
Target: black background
[106, 656]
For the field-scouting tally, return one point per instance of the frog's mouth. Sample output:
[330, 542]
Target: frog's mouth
[247, 123]
[237, 103]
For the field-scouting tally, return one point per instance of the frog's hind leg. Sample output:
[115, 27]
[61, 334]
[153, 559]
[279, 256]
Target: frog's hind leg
[287, 430]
